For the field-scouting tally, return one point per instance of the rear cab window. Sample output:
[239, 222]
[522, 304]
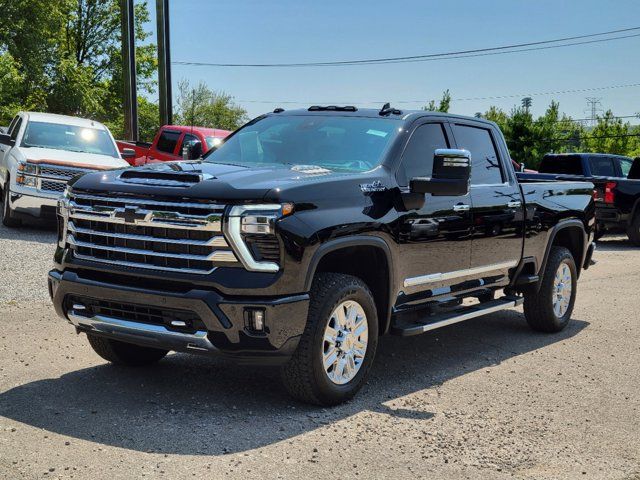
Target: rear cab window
[562, 164]
[485, 162]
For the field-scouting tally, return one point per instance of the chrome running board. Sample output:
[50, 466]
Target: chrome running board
[458, 315]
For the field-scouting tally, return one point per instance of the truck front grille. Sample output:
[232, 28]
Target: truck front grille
[54, 178]
[146, 233]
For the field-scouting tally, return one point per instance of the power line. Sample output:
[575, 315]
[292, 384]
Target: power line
[435, 56]
[494, 97]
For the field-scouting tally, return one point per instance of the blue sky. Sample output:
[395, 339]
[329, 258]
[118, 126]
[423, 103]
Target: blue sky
[252, 31]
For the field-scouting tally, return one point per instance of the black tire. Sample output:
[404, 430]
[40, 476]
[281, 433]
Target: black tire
[304, 375]
[8, 219]
[538, 304]
[122, 353]
[633, 231]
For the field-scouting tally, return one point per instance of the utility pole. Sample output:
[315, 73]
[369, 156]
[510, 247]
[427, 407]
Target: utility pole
[526, 103]
[129, 70]
[593, 109]
[164, 63]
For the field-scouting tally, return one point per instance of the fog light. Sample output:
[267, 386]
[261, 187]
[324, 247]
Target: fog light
[255, 319]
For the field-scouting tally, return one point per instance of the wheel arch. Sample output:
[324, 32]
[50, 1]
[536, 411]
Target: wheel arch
[366, 257]
[570, 234]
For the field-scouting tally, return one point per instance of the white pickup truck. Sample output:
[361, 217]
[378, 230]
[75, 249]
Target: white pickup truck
[40, 153]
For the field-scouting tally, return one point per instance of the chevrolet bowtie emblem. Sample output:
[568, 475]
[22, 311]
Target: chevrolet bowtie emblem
[131, 214]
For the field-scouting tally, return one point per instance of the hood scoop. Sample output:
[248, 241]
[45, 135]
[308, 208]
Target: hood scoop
[166, 179]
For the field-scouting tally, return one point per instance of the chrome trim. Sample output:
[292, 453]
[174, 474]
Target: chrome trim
[234, 234]
[128, 201]
[217, 241]
[124, 263]
[473, 314]
[149, 334]
[215, 256]
[440, 277]
[461, 208]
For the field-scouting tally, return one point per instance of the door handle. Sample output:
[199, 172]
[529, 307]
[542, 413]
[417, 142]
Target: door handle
[461, 207]
[514, 204]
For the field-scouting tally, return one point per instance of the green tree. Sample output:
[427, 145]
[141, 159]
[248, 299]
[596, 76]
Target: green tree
[203, 107]
[610, 135]
[442, 106]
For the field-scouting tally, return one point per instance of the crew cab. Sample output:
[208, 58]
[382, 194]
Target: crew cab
[40, 153]
[309, 233]
[173, 142]
[617, 189]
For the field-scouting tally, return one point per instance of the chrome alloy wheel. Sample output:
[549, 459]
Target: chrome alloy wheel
[562, 289]
[345, 342]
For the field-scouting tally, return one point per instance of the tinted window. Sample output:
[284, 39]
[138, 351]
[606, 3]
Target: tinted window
[625, 166]
[13, 121]
[563, 164]
[485, 167]
[339, 143]
[68, 137]
[602, 167]
[16, 128]
[417, 159]
[168, 141]
[188, 138]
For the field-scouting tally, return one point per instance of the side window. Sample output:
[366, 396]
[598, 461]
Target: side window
[16, 128]
[485, 164]
[625, 166]
[168, 141]
[602, 167]
[13, 122]
[417, 159]
[188, 138]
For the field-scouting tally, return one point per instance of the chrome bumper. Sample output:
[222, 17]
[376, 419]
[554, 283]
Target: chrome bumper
[31, 204]
[142, 333]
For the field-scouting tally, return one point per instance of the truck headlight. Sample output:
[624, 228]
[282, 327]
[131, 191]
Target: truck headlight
[250, 230]
[27, 168]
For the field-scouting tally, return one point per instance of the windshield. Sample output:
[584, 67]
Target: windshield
[339, 143]
[213, 141]
[69, 137]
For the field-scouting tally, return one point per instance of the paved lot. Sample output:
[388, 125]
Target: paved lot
[484, 399]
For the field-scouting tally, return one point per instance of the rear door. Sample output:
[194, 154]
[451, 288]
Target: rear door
[434, 241]
[497, 210]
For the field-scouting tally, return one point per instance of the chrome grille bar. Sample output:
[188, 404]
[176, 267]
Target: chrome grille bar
[148, 233]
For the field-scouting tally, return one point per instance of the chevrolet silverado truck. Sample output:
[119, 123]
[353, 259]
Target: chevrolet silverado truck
[617, 187]
[38, 156]
[171, 143]
[308, 234]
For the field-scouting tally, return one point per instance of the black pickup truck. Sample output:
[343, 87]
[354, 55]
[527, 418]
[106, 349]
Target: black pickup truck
[308, 234]
[617, 189]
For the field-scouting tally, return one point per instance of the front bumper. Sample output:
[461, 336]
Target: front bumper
[223, 327]
[33, 204]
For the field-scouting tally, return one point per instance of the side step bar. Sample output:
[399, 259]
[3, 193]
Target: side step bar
[459, 315]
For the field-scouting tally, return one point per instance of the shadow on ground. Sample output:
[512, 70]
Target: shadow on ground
[615, 244]
[31, 231]
[194, 405]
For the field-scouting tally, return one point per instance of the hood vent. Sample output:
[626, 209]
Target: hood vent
[169, 179]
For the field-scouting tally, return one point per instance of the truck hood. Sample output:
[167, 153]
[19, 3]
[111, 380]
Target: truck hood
[213, 181]
[71, 159]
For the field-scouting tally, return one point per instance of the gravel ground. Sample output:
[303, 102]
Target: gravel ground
[484, 399]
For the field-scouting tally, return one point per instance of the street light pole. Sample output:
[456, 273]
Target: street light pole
[129, 70]
[164, 62]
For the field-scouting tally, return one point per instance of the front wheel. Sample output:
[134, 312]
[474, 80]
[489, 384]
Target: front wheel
[549, 309]
[338, 345]
[8, 219]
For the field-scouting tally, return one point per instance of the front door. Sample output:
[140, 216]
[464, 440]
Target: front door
[434, 241]
[497, 206]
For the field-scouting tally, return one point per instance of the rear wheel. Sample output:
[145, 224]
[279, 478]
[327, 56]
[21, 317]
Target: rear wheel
[633, 231]
[122, 353]
[8, 219]
[549, 308]
[338, 345]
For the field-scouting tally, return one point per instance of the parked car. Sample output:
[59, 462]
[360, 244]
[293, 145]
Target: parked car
[617, 188]
[38, 156]
[174, 142]
[310, 233]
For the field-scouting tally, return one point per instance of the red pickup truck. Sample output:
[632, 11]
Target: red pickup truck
[169, 144]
